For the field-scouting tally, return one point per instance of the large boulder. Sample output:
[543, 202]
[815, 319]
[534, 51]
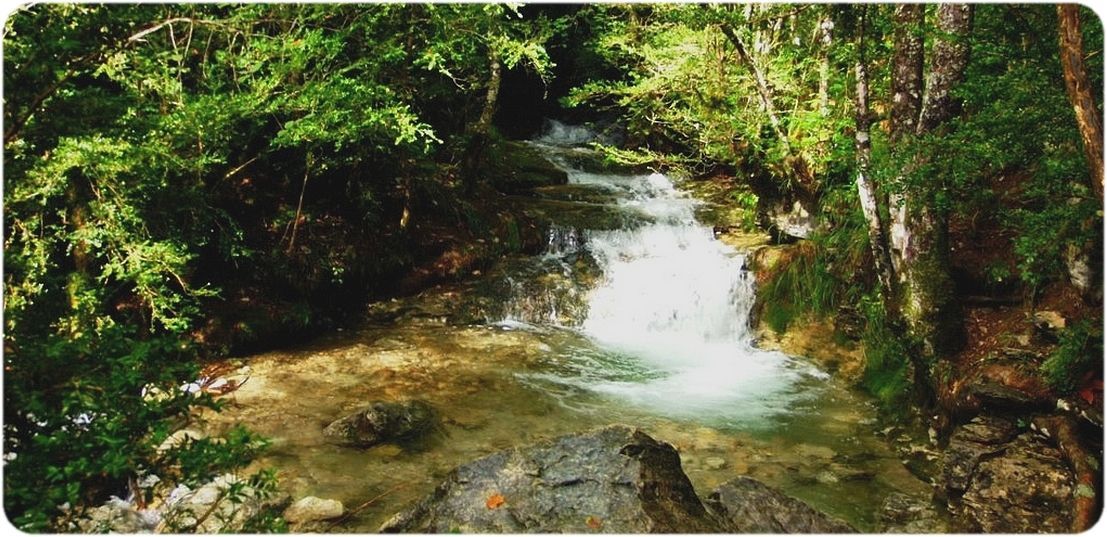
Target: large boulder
[749, 506]
[615, 479]
[1001, 480]
[383, 421]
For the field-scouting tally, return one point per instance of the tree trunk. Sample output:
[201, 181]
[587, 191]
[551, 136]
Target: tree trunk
[907, 78]
[1080, 92]
[478, 141]
[866, 188]
[484, 125]
[797, 163]
[1066, 434]
[826, 29]
[928, 302]
[947, 67]
[763, 90]
[907, 70]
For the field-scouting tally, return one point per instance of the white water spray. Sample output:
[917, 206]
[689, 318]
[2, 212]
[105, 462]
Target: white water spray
[677, 302]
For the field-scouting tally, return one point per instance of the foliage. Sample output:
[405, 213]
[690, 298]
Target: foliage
[823, 274]
[888, 368]
[1079, 353]
[684, 91]
[157, 158]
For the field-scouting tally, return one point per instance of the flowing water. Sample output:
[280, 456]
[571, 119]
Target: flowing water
[645, 323]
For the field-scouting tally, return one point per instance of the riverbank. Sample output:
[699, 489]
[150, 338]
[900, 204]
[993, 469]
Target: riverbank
[540, 374]
[498, 349]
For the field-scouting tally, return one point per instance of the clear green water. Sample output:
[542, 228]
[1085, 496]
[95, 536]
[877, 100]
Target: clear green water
[488, 383]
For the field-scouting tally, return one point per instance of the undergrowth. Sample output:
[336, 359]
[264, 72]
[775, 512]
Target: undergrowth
[1080, 347]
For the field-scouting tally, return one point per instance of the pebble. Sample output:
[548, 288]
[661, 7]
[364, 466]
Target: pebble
[715, 463]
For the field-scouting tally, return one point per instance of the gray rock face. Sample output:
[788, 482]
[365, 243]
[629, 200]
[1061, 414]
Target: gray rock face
[998, 480]
[616, 479]
[749, 506]
[381, 422]
[792, 220]
[980, 438]
[901, 513]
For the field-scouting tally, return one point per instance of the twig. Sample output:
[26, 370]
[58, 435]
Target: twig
[299, 205]
[239, 168]
[351, 513]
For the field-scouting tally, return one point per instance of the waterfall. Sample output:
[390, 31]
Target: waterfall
[668, 320]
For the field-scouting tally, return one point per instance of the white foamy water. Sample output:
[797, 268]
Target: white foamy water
[673, 306]
[558, 133]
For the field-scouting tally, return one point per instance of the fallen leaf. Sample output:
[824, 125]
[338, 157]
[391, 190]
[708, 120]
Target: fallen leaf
[494, 501]
[593, 522]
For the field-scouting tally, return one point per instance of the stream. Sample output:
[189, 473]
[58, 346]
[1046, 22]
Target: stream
[641, 317]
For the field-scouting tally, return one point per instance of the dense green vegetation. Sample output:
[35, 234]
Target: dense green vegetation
[1011, 169]
[184, 181]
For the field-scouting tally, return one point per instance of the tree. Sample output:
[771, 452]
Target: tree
[1088, 116]
[867, 190]
[919, 229]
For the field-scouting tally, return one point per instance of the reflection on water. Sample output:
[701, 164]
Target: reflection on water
[645, 325]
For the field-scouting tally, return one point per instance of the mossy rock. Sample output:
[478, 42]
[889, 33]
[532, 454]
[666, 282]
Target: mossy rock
[593, 161]
[583, 216]
[581, 193]
[515, 167]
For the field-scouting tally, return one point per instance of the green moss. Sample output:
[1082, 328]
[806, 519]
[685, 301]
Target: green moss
[779, 315]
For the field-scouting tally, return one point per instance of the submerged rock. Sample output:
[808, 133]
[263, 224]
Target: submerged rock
[998, 480]
[312, 509]
[749, 506]
[901, 513]
[382, 421]
[615, 479]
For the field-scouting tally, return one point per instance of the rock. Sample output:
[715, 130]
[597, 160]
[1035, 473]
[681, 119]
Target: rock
[381, 422]
[792, 220]
[1078, 265]
[118, 516]
[749, 506]
[989, 430]
[615, 479]
[981, 437]
[313, 509]
[714, 463]
[999, 482]
[1005, 384]
[519, 167]
[809, 451]
[178, 438]
[845, 472]
[901, 513]
[1049, 320]
[212, 509]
